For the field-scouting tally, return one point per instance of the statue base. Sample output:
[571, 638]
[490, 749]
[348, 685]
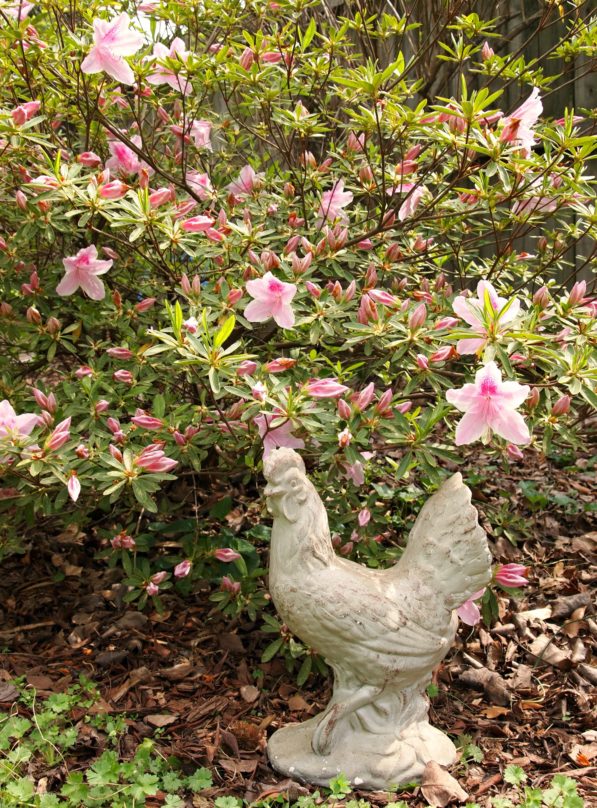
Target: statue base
[370, 761]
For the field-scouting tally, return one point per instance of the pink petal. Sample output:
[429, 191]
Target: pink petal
[68, 285]
[469, 613]
[7, 412]
[470, 346]
[489, 373]
[116, 67]
[511, 313]
[26, 422]
[100, 267]
[470, 428]
[463, 398]
[92, 286]
[258, 288]
[92, 63]
[513, 394]
[510, 425]
[123, 41]
[283, 315]
[468, 311]
[258, 311]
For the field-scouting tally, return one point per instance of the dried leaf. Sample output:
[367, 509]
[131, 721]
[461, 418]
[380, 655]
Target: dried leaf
[495, 712]
[297, 703]
[545, 650]
[492, 684]
[8, 692]
[249, 693]
[439, 787]
[161, 720]
[178, 672]
[564, 606]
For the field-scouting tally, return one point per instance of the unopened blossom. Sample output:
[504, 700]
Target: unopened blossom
[154, 459]
[167, 75]
[115, 189]
[82, 451]
[325, 388]
[83, 371]
[562, 406]
[517, 128]
[364, 397]
[514, 452]
[226, 554]
[248, 181]
[490, 405]
[511, 575]
[191, 324]
[272, 298]
[577, 293]
[123, 376]
[275, 436]
[182, 570]
[82, 270]
[152, 589]
[147, 421]
[246, 368]
[363, 517]
[280, 365]
[333, 202]
[24, 112]
[120, 353]
[113, 40]
[487, 52]
[89, 159]
[476, 312]
[59, 435]
[13, 425]
[228, 585]
[145, 304]
[469, 612]
[73, 487]
[197, 224]
[417, 317]
[383, 297]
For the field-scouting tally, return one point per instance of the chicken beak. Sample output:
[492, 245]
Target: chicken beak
[271, 491]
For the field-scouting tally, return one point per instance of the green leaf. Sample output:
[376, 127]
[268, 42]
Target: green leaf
[200, 779]
[272, 649]
[224, 331]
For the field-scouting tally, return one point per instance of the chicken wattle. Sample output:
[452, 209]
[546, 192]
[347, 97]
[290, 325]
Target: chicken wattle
[381, 631]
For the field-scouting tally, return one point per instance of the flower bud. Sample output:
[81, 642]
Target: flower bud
[82, 451]
[89, 160]
[562, 406]
[101, 406]
[445, 322]
[366, 174]
[541, 298]
[246, 368]
[404, 407]
[344, 410]
[313, 290]
[246, 59]
[289, 190]
[145, 304]
[365, 397]
[417, 317]
[487, 52]
[533, 398]
[33, 316]
[53, 325]
[21, 200]
[422, 362]
[577, 293]
[513, 452]
[441, 354]
[123, 376]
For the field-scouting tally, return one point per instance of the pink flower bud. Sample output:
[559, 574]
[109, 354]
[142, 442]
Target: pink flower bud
[115, 452]
[161, 196]
[53, 325]
[418, 317]
[185, 284]
[325, 388]
[541, 298]
[113, 190]
[355, 142]
[101, 406]
[280, 365]
[246, 368]
[511, 575]
[82, 451]
[83, 371]
[487, 52]
[182, 570]
[533, 398]
[40, 398]
[344, 410]
[577, 293]
[179, 438]
[404, 407]
[445, 322]
[383, 297]
[344, 438]
[226, 554]
[19, 116]
[145, 305]
[228, 585]
[259, 391]
[152, 589]
[234, 295]
[197, 224]
[33, 316]
[384, 401]
[422, 362]
[147, 422]
[514, 452]
[123, 376]
[89, 159]
[364, 517]
[59, 436]
[441, 354]
[120, 353]
[246, 59]
[313, 290]
[562, 406]
[393, 252]
[73, 487]
[159, 577]
[21, 200]
[365, 397]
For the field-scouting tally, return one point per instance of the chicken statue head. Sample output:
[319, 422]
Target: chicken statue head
[382, 632]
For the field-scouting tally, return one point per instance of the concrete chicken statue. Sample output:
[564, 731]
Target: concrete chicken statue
[381, 631]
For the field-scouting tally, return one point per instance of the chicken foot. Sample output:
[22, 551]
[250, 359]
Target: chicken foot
[338, 711]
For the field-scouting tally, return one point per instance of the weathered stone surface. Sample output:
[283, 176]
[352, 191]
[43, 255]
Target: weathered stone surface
[381, 631]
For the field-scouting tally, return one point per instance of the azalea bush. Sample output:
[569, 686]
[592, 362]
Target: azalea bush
[229, 227]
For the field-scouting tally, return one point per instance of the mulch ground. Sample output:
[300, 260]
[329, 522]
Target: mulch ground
[522, 690]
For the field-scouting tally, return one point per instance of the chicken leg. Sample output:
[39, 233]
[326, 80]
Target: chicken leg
[338, 711]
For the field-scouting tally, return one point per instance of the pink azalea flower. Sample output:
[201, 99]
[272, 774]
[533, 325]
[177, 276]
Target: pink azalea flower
[276, 436]
[490, 404]
[411, 203]
[325, 388]
[333, 202]
[518, 127]
[18, 10]
[280, 365]
[13, 425]
[469, 612]
[166, 75]
[82, 270]
[272, 298]
[112, 42]
[182, 570]
[226, 554]
[200, 132]
[511, 575]
[73, 487]
[152, 589]
[247, 182]
[200, 184]
[123, 159]
[474, 312]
